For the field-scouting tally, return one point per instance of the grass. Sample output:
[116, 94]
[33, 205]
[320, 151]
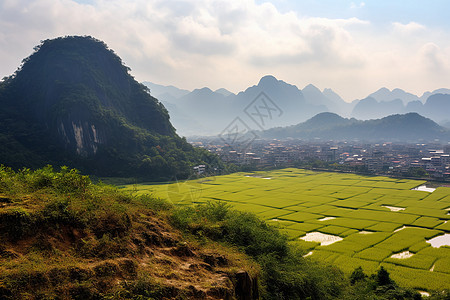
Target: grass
[332, 229]
[417, 261]
[299, 198]
[405, 238]
[374, 254]
[428, 222]
[442, 265]
[420, 279]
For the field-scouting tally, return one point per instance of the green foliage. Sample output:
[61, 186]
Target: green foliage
[217, 221]
[144, 288]
[416, 172]
[68, 181]
[71, 201]
[286, 275]
[357, 275]
[74, 102]
[377, 286]
[16, 223]
[382, 277]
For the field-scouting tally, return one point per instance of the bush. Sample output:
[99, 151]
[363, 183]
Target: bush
[382, 277]
[357, 275]
[112, 220]
[16, 223]
[58, 212]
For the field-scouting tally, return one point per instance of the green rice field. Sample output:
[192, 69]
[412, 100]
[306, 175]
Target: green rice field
[373, 217]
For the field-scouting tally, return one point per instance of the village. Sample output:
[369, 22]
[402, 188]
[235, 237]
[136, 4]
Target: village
[415, 160]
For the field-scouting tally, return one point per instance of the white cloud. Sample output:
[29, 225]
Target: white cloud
[410, 28]
[435, 60]
[223, 43]
[355, 6]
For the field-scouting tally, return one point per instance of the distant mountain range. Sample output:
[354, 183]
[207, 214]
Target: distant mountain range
[410, 127]
[207, 112]
[436, 107]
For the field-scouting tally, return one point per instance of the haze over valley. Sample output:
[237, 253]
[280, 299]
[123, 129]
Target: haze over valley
[206, 112]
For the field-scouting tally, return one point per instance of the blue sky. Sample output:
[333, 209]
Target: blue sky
[381, 12]
[353, 47]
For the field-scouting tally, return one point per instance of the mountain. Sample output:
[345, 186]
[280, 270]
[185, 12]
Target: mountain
[410, 127]
[73, 102]
[207, 112]
[224, 92]
[370, 108]
[328, 98]
[426, 95]
[436, 106]
[156, 90]
[332, 95]
[385, 95]
[414, 106]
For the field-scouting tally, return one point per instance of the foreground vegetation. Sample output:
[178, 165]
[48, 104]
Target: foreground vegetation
[355, 208]
[63, 237]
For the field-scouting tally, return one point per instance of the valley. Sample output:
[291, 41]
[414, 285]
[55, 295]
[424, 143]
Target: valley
[371, 221]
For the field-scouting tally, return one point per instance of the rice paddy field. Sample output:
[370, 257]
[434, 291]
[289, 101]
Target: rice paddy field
[346, 220]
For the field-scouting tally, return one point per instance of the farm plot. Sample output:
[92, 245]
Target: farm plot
[375, 219]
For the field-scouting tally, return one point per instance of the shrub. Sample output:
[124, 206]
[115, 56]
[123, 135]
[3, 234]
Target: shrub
[357, 275]
[112, 220]
[382, 277]
[16, 223]
[58, 212]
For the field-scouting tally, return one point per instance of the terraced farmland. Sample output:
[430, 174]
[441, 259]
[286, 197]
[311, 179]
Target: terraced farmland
[375, 217]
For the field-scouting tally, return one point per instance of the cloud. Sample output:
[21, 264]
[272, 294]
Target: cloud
[170, 31]
[226, 43]
[355, 6]
[410, 28]
[435, 60]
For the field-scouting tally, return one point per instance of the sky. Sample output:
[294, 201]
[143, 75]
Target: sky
[352, 47]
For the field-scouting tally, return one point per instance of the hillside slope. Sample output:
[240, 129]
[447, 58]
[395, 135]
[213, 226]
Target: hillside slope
[73, 102]
[410, 127]
[61, 237]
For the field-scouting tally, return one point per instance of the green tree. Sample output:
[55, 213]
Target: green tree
[357, 275]
[382, 277]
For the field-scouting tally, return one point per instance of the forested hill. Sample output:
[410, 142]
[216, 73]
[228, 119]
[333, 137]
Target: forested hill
[410, 127]
[73, 102]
